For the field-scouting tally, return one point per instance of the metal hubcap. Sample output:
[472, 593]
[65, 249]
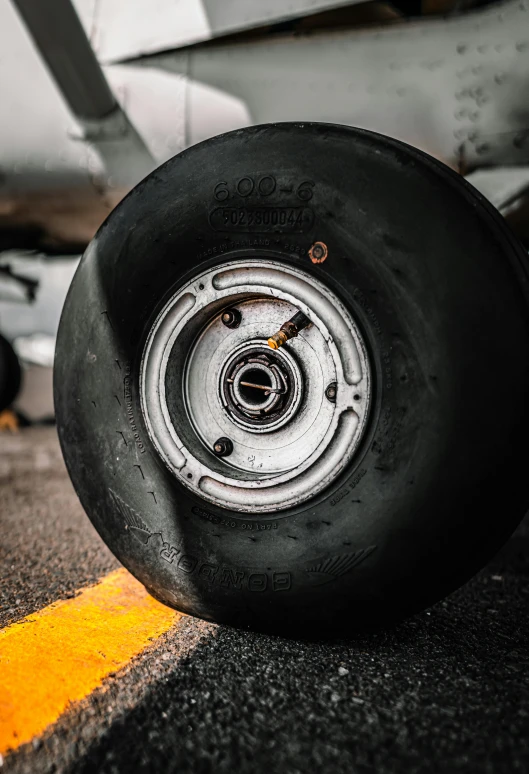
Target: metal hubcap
[260, 389]
[244, 426]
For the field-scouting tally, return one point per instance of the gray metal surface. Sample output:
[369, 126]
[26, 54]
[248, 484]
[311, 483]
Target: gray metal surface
[455, 87]
[64, 46]
[121, 29]
[186, 367]
[504, 187]
[66, 51]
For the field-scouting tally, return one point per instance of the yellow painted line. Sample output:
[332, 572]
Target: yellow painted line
[62, 653]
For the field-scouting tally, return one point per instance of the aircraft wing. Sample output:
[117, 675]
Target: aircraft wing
[121, 29]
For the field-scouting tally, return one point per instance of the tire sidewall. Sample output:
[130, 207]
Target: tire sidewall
[391, 519]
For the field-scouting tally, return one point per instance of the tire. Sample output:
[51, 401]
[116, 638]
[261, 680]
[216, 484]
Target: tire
[437, 289]
[10, 374]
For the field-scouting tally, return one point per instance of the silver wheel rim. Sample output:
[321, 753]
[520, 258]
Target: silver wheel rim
[287, 445]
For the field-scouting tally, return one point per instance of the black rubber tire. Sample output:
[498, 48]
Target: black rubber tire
[10, 374]
[439, 287]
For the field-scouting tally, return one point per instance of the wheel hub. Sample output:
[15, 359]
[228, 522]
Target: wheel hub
[260, 390]
[242, 425]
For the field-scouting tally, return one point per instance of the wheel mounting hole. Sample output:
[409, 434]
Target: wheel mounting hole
[201, 286]
[254, 395]
[356, 397]
[190, 475]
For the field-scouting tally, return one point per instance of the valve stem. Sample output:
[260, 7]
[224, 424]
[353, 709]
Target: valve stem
[288, 330]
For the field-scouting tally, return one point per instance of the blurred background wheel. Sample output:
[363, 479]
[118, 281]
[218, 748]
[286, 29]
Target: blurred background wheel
[10, 374]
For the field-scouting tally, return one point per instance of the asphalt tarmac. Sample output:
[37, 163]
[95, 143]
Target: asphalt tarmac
[447, 691]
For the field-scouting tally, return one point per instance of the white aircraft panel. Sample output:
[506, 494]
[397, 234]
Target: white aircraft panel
[123, 29]
[158, 104]
[37, 130]
[43, 146]
[458, 88]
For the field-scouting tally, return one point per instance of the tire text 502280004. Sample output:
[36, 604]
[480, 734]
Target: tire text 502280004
[261, 218]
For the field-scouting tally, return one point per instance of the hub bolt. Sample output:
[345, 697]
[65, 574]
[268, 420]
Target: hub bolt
[231, 318]
[330, 392]
[223, 447]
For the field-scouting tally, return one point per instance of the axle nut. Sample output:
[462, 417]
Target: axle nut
[223, 447]
[231, 318]
[330, 392]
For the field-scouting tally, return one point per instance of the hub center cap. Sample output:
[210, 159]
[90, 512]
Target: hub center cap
[260, 389]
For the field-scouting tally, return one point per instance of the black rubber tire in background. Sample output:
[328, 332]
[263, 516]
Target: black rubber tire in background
[438, 286]
[10, 374]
